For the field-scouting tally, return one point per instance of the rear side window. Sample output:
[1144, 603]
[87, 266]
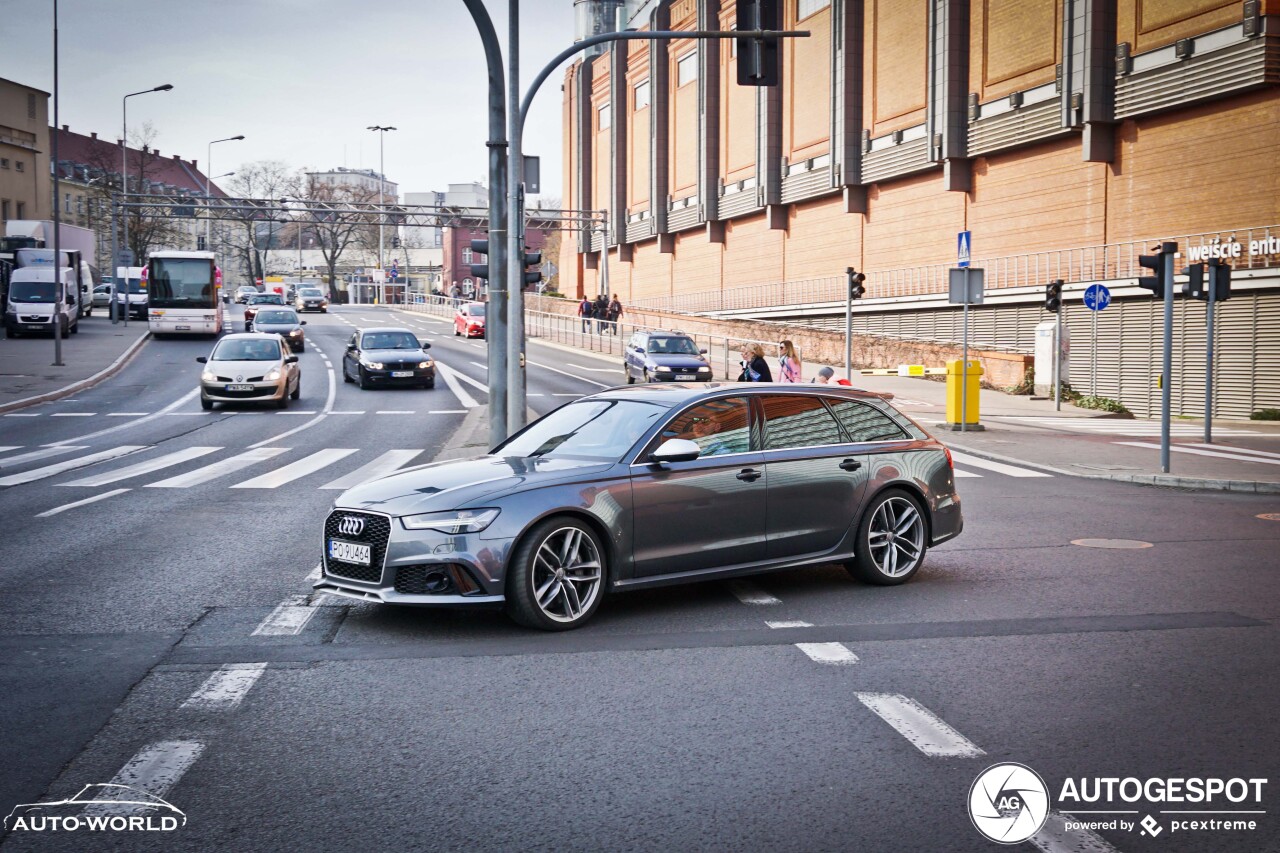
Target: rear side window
[866, 423]
[796, 421]
[718, 427]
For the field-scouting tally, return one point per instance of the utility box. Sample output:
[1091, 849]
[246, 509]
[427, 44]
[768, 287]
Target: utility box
[963, 409]
[1044, 357]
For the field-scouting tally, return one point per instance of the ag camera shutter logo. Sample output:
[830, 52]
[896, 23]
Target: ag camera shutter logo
[1008, 803]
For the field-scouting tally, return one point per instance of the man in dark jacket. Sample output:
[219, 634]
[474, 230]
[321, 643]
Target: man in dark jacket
[599, 310]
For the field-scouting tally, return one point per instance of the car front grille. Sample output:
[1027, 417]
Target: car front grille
[377, 530]
[245, 395]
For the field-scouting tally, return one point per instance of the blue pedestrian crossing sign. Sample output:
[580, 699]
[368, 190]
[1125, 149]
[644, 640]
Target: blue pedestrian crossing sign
[1096, 297]
[964, 245]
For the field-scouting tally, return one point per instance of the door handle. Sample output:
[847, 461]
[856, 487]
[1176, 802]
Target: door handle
[850, 465]
[749, 475]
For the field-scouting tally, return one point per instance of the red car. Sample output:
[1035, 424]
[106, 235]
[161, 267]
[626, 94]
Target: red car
[469, 320]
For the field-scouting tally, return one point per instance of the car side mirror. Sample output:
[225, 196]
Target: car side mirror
[424, 344]
[293, 359]
[675, 450]
[302, 322]
[351, 347]
[202, 359]
[639, 349]
[702, 352]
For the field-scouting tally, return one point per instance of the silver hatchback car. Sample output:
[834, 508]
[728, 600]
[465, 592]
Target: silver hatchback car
[646, 486]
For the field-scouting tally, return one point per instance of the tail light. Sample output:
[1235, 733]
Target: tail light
[947, 451]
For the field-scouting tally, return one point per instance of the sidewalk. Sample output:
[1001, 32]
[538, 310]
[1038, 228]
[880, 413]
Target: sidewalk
[97, 351]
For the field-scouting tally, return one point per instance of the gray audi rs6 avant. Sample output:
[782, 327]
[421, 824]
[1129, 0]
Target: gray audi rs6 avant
[650, 485]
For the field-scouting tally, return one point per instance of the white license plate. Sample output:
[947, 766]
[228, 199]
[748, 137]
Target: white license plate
[350, 552]
[685, 378]
[401, 374]
[182, 328]
[239, 387]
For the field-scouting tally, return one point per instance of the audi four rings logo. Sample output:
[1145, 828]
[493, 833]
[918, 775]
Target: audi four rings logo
[1008, 803]
[351, 525]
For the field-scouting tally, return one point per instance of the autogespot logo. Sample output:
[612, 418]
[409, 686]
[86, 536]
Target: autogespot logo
[1008, 803]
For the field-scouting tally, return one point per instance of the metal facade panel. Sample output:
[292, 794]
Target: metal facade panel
[1244, 65]
[738, 204]
[682, 218]
[810, 184]
[1016, 127]
[895, 161]
[640, 230]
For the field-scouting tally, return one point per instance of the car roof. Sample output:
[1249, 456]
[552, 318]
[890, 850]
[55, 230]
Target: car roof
[249, 336]
[678, 394]
[387, 329]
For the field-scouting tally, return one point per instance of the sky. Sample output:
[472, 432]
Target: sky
[300, 79]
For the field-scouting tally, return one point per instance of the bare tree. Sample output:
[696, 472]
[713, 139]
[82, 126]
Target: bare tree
[338, 228]
[267, 181]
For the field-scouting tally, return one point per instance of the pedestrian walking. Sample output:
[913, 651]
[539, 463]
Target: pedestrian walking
[584, 311]
[614, 314]
[788, 362]
[825, 375]
[599, 310]
[754, 367]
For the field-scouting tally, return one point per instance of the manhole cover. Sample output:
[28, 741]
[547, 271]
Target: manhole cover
[1111, 543]
[1269, 516]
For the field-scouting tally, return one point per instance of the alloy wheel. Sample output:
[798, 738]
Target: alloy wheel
[895, 538]
[566, 574]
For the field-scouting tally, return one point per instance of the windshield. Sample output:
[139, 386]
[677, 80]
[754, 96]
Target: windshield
[244, 288]
[181, 283]
[32, 291]
[390, 340]
[475, 310]
[246, 350]
[276, 317]
[134, 285]
[591, 429]
[311, 291]
[266, 299]
[673, 346]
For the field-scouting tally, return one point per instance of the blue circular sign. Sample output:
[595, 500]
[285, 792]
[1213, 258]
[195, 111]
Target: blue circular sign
[1096, 297]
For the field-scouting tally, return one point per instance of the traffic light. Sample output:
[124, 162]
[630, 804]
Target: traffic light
[759, 60]
[532, 259]
[395, 242]
[1194, 288]
[1053, 296]
[855, 283]
[1155, 263]
[1220, 280]
[480, 247]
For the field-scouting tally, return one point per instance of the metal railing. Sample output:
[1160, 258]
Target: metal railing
[603, 336]
[1105, 262]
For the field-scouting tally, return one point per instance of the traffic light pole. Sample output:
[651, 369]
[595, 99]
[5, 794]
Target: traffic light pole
[848, 331]
[1208, 361]
[516, 391]
[1057, 359]
[496, 313]
[1167, 252]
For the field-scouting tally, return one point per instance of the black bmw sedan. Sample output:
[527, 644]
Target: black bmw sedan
[388, 356]
[650, 485]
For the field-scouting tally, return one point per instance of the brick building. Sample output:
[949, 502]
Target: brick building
[1064, 134]
[458, 256]
[24, 152]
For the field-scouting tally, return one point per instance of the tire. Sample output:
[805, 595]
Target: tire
[456, 333]
[282, 403]
[565, 605]
[363, 380]
[345, 376]
[297, 391]
[75, 328]
[631, 380]
[207, 405]
[647, 378]
[889, 562]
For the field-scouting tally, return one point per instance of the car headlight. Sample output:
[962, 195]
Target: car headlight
[452, 521]
[375, 365]
[423, 365]
[208, 377]
[272, 375]
[295, 332]
[704, 369]
[662, 368]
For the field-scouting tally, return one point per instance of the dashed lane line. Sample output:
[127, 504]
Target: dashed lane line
[1054, 837]
[328, 407]
[829, 653]
[176, 404]
[925, 730]
[287, 620]
[60, 509]
[789, 623]
[749, 593]
[156, 768]
[226, 688]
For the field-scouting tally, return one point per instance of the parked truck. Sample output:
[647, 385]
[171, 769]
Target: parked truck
[30, 242]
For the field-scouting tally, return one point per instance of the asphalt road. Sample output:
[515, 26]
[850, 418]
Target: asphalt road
[165, 637]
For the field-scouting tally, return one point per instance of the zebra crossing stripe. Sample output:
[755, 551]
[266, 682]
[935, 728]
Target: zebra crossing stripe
[6, 448]
[166, 461]
[219, 469]
[1179, 449]
[70, 465]
[297, 470]
[42, 453]
[387, 463]
[998, 467]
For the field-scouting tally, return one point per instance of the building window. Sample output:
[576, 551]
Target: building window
[4, 209]
[809, 7]
[466, 255]
[22, 210]
[66, 203]
[687, 68]
[642, 94]
[4, 162]
[20, 165]
[604, 117]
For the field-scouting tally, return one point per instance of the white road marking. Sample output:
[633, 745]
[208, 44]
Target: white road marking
[226, 688]
[447, 412]
[73, 414]
[219, 469]
[925, 730]
[1115, 426]
[389, 462]
[593, 369]
[834, 653]
[288, 619]
[127, 414]
[70, 465]
[188, 414]
[959, 473]
[181, 401]
[169, 459]
[23, 415]
[314, 574]
[450, 378]
[156, 768]
[7, 447]
[535, 395]
[484, 367]
[1216, 454]
[394, 412]
[297, 412]
[42, 453]
[1054, 837]
[328, 407]
[335, 412]
[998, 467]
[295, 470]
[789, 623]
[74, 504]
[1245, 450]
[749, 593]
[465, 378]
[566, 395]
[570, 375]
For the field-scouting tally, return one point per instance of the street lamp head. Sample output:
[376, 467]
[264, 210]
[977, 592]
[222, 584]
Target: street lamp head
[165, 88]
[237, 138]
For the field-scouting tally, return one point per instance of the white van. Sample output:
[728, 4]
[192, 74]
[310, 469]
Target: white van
[36, 300]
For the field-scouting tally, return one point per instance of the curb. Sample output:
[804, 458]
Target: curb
[1165, 480]
[66, 391]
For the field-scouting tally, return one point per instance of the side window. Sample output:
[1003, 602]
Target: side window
[354, 339]
[866, 423]
[718, 427]
[798, 421]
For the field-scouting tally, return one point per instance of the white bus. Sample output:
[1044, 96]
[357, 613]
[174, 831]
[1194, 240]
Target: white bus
[183, 293]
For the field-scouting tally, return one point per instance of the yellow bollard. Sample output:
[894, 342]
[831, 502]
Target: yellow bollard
[955, 376]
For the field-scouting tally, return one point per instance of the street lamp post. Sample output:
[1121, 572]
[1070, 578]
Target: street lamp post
[208, 182]
[124, 169]
[382, 186]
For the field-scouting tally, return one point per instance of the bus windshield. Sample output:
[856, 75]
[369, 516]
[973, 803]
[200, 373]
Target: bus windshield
[181, 283]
